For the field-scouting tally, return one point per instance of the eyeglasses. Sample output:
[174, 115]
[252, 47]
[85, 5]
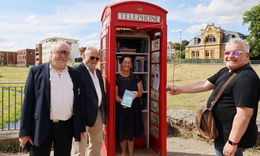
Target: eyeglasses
[235, 53]
[60, 52]
[93, 57]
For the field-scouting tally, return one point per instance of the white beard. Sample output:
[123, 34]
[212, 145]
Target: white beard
[91, 66]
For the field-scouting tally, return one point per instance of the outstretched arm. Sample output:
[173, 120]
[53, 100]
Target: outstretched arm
[196, 87]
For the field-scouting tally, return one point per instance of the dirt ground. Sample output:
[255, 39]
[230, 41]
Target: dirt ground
[179, 146]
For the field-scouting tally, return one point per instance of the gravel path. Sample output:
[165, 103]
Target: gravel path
[179, 146]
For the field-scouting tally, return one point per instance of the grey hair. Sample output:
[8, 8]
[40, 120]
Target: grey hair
[239, 41]
[90, 49]
[55, 46]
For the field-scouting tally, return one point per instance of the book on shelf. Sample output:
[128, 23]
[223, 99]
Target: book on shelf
[144, 46]
[145, 66]
[128, 98]
[117, 46]
[118, 66]
[144, 81]
[139, 64]
[127, 50]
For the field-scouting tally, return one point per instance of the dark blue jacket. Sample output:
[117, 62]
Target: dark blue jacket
[35, 118]
[90, 96]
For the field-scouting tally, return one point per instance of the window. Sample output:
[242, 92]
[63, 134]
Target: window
[210, 38]
[192, 54]
[212, 54]
[197, 40]
[207, 54]
[197, 54]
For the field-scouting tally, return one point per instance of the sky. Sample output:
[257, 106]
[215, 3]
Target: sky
[24, 23]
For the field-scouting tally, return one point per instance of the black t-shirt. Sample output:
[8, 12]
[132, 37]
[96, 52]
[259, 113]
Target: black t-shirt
[242, 91]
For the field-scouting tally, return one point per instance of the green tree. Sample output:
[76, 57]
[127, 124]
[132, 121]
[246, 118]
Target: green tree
[179, 54]
[253, 18]
[176, 45]
[183, 44]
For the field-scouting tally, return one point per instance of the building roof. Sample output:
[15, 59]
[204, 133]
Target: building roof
[25, 49]
[194, 41]
[1, 51]
[231, 34]
[52, 39]
[227, 35]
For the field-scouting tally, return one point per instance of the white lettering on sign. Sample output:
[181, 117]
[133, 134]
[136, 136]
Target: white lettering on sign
[138, 17]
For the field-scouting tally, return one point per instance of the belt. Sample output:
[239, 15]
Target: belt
[60, 121]
[56, 121]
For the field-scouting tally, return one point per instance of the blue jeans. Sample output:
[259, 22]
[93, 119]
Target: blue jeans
[219, 149]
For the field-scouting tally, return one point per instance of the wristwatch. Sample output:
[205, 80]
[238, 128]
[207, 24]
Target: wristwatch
[232, 143]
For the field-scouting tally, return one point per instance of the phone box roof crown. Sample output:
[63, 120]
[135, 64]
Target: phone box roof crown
[133, 12]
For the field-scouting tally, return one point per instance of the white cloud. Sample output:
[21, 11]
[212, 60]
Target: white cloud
[2, 39]
[91, 40]
[80, 12]
[80, 18]
[7, 45]
[92, 36]
[194, 17]
[57, 34]
[66, 21]
[182, 5]
[196, 28]
[13, 46]
[34, 20]
[90, 43]
[217, 11]
[222, 11]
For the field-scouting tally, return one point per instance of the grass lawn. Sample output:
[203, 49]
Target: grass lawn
[184, 74]
[12, 74]
[12, 105]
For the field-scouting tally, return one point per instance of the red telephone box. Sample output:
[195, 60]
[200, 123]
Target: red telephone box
[139, 29]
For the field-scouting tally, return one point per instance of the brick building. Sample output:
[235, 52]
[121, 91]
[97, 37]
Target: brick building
[38, 54]
[26, 57]
[8, 57]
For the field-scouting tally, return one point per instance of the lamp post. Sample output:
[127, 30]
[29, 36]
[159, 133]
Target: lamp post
[180, 39]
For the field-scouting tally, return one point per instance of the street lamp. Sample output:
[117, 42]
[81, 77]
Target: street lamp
[180, 39]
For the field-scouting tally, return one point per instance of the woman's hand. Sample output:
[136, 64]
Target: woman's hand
[124, 106]
[135, 94]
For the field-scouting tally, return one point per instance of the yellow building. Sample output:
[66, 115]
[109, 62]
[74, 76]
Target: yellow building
[211, 43]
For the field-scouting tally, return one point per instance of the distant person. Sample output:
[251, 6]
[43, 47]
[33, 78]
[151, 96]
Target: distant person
[95, 103]
[81, 53]
[236, 110]
[129, 122]
[51, 113]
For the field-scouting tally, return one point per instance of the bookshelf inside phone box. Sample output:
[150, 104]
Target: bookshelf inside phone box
[137, 29]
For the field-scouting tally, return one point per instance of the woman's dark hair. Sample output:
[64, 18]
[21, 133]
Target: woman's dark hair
[126, 56]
